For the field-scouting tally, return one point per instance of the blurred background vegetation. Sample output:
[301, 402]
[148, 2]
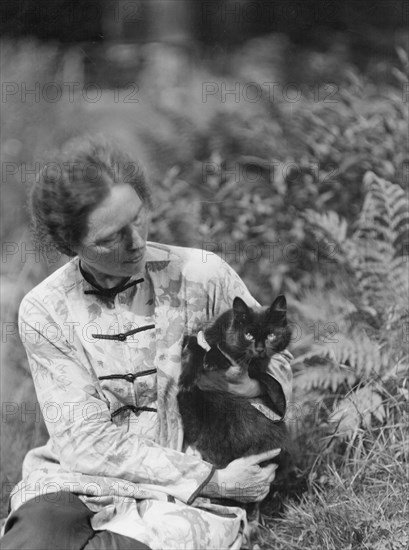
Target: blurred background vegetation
[299, 179]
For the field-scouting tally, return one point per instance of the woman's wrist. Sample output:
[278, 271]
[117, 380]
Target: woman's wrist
[212, 488]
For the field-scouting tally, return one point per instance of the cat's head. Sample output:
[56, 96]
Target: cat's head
[246, 332]
[263, 331]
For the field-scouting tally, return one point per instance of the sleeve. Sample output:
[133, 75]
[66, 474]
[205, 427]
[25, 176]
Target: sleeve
[79, 421]
[278, 379]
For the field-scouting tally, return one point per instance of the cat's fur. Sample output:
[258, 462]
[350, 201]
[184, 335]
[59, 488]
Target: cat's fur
[220, 425]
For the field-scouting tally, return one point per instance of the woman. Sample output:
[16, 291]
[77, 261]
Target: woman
[103, 335]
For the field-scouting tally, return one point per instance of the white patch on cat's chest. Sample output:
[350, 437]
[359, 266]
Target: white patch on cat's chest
[202, 341]
[192, 452]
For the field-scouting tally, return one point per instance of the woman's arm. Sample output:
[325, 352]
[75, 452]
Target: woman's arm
[79, 421]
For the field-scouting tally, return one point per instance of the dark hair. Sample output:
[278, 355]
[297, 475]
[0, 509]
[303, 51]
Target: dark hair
[72, 182]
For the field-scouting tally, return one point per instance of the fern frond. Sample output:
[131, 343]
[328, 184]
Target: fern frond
[361, 353]
[373, 250]
[313, 303]
[355, 351]
[329, 224]
[399, 278]
[356, 410]
[328, 376]
[369, 344]
[400, 218]
[387, 204]
[372, 229]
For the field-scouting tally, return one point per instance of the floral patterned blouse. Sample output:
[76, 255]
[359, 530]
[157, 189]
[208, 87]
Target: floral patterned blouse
[105, 365]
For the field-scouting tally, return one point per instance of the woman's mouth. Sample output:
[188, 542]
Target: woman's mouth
[134, 259]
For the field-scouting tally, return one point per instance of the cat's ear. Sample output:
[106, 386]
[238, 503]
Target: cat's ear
[279, 304]
[240, 309]
[278, 309]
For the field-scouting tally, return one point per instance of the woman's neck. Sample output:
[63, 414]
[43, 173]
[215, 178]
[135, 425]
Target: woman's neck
[102, 279]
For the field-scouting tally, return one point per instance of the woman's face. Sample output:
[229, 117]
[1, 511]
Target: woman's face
[115, 244]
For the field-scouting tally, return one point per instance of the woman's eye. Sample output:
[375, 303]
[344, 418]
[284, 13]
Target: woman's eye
[248, 336]
[113, 240]
[108, 242]
[271, 337]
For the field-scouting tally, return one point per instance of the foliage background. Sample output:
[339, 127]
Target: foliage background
[304, 196]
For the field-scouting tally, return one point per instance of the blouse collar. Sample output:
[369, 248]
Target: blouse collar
[112, 291]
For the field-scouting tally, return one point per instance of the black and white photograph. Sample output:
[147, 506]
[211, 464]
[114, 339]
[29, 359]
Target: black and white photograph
[204, 274]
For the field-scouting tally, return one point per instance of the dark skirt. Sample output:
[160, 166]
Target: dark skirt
[59, 521]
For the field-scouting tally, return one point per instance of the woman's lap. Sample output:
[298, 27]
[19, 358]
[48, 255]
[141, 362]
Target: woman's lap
[59, 521]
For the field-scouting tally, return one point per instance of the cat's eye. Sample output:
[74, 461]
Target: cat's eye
[271, 337]
[249, 336]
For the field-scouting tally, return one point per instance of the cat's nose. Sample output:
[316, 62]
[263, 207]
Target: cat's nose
[260, 351]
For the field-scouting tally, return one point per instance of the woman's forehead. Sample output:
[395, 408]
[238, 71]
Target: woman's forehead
[118, 209]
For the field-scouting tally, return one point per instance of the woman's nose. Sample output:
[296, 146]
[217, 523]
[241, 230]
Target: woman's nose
[135, 240]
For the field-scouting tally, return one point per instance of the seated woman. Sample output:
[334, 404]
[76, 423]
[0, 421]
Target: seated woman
[103, 335]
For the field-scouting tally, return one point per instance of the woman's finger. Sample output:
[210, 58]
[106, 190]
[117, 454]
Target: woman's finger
[261, 495]
[269, 469]
[272, 476]
[267, 455]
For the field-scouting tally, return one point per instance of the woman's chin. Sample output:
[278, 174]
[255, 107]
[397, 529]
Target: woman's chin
[130, 268]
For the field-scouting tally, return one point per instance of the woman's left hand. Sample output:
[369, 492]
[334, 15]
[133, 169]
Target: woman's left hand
[233, 380]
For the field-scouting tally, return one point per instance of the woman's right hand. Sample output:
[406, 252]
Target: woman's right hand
[243, 479]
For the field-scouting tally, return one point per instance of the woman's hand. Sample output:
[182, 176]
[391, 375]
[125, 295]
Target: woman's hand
[243, 479]
[232, 380]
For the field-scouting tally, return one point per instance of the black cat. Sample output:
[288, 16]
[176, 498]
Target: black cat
[220, 425]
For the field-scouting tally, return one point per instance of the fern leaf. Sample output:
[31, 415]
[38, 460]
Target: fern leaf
[356, 410]
[312, 304]
[369, 339]
[330, 224]
[355, 351]
[387, 203]
[399, 278]
[324, 377]
[400, 215]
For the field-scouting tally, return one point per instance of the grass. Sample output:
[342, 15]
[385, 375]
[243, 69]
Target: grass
[362, 504]
[350, 495]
